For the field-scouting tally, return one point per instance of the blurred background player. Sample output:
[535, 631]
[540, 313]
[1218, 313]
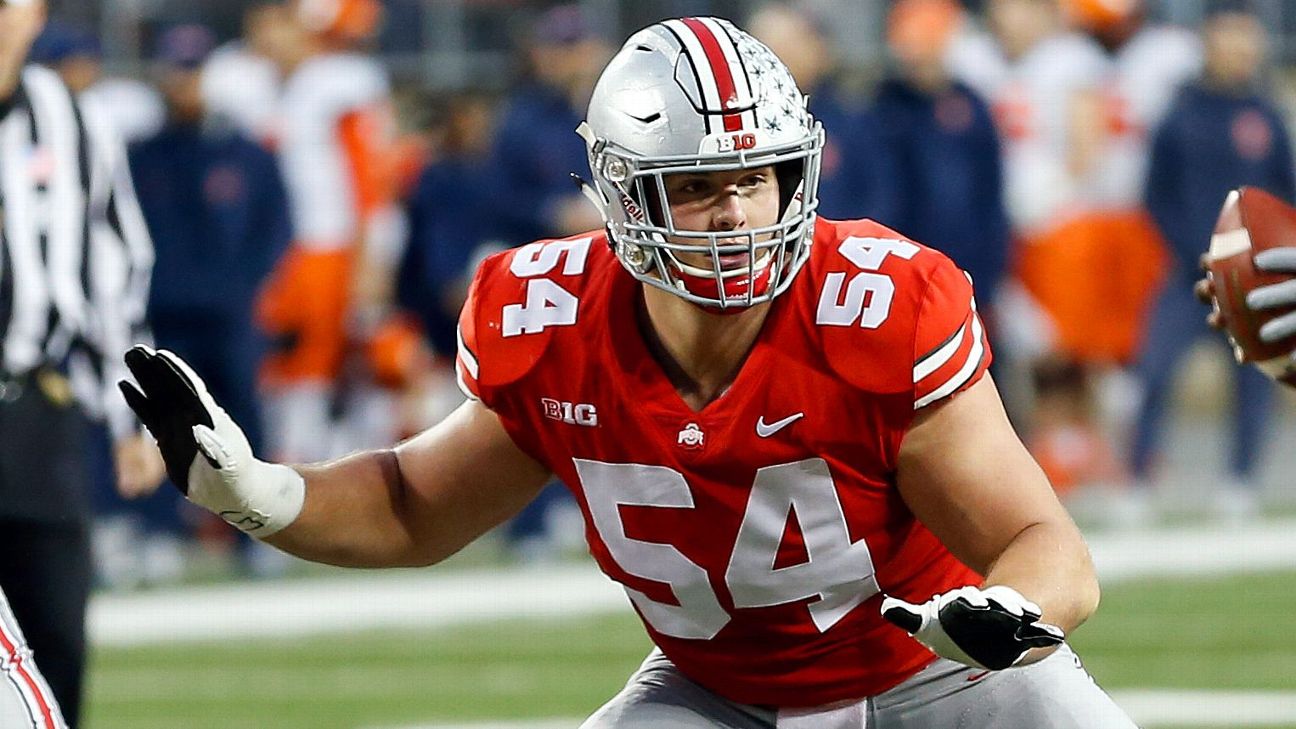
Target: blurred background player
[1036, 74]
[241, 80]
[218, 214]
[948, 179]
[1145, 64]
[1221, 132]
[859, 171]
[332, 291]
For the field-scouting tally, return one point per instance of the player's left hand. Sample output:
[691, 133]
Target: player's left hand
[991, 628]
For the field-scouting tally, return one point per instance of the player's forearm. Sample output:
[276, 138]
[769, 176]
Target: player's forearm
[1049, 564]
[358, 512]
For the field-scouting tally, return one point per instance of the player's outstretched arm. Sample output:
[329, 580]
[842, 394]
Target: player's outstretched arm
[411, 505]
[417, 503]
[966, 475]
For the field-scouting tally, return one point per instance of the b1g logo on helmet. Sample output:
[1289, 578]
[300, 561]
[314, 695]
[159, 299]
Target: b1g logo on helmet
[571, 413]
[737, 142]
[730, 142]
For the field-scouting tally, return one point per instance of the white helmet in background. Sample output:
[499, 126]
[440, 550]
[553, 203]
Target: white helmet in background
[699, 95]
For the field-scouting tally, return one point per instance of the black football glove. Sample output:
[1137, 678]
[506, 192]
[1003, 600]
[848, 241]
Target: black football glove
[207, 455]
[991, 628]
[170, 409]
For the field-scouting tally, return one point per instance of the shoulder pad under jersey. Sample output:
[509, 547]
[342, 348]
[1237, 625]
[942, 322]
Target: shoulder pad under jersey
[894, 315]
[517, 302]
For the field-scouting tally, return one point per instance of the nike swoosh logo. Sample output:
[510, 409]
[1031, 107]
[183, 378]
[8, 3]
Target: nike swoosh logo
[766, 431]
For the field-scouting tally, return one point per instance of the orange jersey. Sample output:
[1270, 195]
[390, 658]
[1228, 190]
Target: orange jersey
[754, 537]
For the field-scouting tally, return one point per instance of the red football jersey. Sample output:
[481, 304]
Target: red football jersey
[754, 537]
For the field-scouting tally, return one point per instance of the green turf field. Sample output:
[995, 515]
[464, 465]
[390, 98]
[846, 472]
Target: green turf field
[1238, 633]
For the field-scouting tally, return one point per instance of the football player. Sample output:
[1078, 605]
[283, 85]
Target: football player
[779, 428]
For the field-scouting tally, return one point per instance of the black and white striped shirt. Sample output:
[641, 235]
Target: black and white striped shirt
[75, 255]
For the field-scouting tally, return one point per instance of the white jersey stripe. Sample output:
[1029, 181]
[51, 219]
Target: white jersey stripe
[459, 380]
[965, 372]
[933, 361]
[465, 354]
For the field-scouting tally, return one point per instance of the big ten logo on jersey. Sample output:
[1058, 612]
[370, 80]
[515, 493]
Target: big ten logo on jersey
[580, 413]
[547, 303]
[867, 297]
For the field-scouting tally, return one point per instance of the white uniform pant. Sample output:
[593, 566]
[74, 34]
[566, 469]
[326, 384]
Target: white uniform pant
[1055, 693]
[25, 700]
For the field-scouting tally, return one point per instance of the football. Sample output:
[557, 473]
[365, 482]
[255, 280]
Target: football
[1251, 221]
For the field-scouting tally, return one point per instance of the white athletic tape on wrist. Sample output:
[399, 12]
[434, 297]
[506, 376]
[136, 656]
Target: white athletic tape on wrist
[258, 499]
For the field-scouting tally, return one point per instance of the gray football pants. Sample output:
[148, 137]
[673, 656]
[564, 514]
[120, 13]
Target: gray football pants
[1055, 693]
[25, 698]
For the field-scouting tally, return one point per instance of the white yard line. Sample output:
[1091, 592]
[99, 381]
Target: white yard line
[431, 598]
[365, 601]
[1196, 550]
[1157, 707]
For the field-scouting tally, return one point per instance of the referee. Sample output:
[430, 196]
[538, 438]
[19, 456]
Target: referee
[74, 267]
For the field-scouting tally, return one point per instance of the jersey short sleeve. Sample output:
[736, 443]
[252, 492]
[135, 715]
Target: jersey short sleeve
[951, 351]
[467, 367]
[519, 301]
[486, 359]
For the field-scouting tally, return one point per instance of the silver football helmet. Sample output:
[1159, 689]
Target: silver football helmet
[700, 95]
